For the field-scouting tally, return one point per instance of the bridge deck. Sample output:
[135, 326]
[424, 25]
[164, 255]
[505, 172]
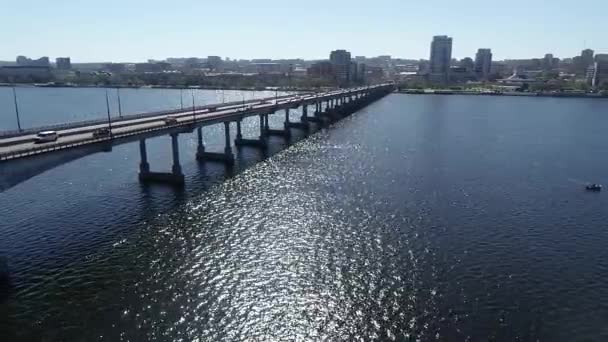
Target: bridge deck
[22, 146]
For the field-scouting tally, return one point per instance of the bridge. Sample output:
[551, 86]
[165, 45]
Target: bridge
[77, 139]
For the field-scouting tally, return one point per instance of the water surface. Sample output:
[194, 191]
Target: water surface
[423, 218]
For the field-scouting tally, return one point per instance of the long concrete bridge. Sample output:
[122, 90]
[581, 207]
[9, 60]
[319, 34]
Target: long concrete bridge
[78, 138]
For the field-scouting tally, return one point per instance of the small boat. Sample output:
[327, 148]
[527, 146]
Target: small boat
[594, 187]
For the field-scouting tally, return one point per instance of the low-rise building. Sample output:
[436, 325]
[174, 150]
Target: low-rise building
[40, 62]
[115, 68]
[152, 67]
[323, 69]
[19, 73]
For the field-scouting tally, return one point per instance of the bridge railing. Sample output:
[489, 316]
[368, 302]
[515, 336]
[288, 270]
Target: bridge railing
[71, 125]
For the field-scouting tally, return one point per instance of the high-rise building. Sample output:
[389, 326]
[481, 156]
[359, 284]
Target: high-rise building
[548, 62]
[587, 57]
[601, 57]
[63, 63]
[483, 63]
[597, 74]
[341, 63]
[441, 57]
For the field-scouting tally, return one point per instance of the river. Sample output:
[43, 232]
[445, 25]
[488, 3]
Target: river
[422, 218]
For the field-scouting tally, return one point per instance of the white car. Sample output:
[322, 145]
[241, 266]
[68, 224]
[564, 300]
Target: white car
[46, 136]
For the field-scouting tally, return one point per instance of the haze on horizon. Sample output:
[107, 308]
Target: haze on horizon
[138, 30]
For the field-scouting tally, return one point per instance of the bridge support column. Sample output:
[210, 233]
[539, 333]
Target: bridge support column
[316, 117]
[286, 118]
[200, 147]
[227, 148]
[287, 123]
[261, 142]
[279, 132]
[176, 176]
[304, 117]
[303, 124]
[177, 168]
[227, 157]
[144, 167]
[263, 121]
[239, 136]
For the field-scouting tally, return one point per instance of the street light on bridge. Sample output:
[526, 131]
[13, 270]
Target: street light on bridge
[108, 111]
[16, 109]
[119, 104]
[193, 108]
[181, 97]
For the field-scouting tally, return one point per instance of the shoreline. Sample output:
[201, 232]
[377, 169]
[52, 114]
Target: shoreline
[503, 93]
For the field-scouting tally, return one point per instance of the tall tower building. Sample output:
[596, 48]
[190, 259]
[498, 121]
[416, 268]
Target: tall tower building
[483, 63]
[587, 57]
[341, 63]
[441, 57]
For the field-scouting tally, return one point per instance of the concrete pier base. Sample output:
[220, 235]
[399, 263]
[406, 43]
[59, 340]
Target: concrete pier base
[298, 125]
[316, 119]
[251, 142]
[216, 157]
[278, 132]
[162, 177]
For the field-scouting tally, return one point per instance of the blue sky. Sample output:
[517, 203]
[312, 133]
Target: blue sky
[135, 30]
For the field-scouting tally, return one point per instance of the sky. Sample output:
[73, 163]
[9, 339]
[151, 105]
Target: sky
[136, 30]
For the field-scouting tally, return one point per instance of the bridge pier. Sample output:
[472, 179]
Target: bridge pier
[286, 119]
[279, 132]
[261, 142]
[303, 124]
[174, 177]
[227, 157]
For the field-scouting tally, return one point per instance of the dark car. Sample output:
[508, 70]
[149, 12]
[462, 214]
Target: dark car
[102, 132]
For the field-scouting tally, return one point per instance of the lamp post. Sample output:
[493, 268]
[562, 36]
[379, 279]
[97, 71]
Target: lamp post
[16, 109]
[119, 104]
[193, 108]
[108, 111]
[181, 97]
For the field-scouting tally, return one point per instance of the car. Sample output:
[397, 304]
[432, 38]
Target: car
[46, 136]
[102, 132]
[170, 120]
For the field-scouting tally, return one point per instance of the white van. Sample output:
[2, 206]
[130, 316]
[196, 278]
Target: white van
[46, 136]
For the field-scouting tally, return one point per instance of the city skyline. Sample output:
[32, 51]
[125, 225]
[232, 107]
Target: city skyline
[138, 31]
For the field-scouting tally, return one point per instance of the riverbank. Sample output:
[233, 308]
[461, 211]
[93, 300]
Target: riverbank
[501, 93]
